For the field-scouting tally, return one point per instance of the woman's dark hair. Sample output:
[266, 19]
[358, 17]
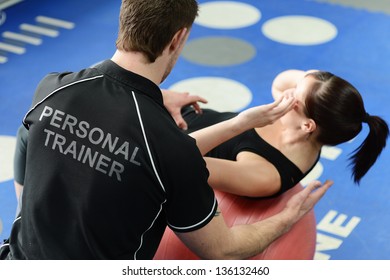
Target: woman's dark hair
[149, 26]
[338, 110]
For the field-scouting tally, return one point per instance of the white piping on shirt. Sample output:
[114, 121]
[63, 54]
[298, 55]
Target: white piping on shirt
[151, 225]
[58, 89]
[154, 169]
[146, 141]
[202, 221]
[4, 245]
[161, 184]
[7, 244]
[18, 218]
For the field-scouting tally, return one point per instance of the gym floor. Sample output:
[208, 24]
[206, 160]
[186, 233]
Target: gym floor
[234, 51]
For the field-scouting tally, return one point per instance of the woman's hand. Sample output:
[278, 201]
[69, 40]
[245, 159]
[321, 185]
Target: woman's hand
[263, 115]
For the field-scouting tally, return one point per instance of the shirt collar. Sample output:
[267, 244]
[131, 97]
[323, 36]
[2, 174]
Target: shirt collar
[138, 82]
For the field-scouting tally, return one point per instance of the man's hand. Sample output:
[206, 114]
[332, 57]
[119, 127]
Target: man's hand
[175, 101]
[218, 241]
[301, 203]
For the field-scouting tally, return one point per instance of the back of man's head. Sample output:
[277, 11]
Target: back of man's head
[148, 26]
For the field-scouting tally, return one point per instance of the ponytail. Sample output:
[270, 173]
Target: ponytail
[337, 108]
[367, 153]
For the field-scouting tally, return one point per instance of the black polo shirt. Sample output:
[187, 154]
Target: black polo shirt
[107, 169]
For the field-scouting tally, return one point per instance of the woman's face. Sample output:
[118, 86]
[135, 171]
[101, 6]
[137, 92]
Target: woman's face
[297, 114]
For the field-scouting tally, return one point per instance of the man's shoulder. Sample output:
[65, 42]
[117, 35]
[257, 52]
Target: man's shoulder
[58, 80]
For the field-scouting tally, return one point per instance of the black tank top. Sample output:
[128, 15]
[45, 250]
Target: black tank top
[249, 141]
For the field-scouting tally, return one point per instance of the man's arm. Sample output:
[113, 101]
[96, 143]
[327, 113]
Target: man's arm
[217, 241]
[20, 159]
[18, 190]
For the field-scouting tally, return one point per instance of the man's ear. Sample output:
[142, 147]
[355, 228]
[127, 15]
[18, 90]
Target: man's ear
[179, 39]
[309, 125]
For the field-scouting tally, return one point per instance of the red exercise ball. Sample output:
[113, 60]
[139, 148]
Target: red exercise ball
[298, 244]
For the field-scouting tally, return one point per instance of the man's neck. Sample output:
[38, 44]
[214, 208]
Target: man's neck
[137, 63]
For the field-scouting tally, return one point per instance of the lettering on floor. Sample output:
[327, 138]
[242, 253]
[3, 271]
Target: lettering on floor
[332, 231]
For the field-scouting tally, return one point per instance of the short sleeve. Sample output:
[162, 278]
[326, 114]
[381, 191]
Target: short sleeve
[191, 203]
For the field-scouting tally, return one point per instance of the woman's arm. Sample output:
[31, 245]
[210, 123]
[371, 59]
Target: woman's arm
[212, 136]
[249, 175]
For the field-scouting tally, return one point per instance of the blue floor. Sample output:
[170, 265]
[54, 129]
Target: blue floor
[353, 221]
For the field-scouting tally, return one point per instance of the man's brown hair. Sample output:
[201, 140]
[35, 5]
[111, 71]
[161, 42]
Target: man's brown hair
[148, 26]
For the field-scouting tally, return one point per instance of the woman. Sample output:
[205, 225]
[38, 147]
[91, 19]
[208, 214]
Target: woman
[269, 160]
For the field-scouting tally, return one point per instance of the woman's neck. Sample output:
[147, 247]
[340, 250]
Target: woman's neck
[299, 147]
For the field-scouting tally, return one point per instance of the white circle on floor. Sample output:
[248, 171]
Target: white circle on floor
[7, 149]
[222, 94]
[227, 15]
[299, 30]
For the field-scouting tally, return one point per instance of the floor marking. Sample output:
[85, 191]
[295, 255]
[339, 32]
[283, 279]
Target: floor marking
[3, 59]
[39, 30]
[12, 48]
[23, 38]
[31, 39]
[55, 22]
[335, 228]
[9, 3]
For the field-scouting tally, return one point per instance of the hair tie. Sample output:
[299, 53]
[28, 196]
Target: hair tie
[366, 118]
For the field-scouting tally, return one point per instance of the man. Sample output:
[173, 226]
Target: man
[107, 168]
